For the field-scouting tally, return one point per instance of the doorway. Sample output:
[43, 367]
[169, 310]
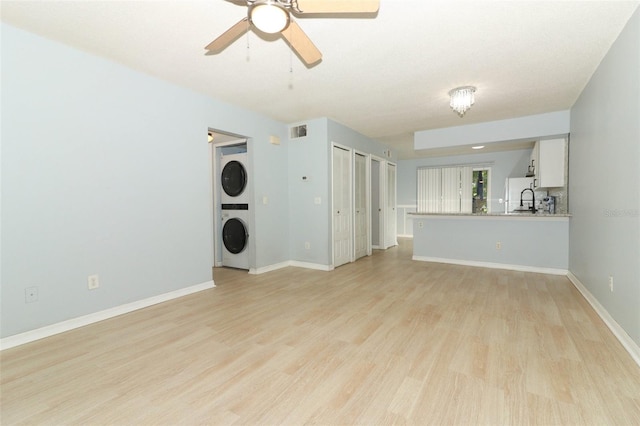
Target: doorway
[228, 206]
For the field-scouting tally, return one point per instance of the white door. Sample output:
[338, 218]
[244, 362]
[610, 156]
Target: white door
[377, 203]
[360, 205]
[341, 186]
[390, 236]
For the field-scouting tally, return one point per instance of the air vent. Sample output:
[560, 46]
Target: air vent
[298, 131]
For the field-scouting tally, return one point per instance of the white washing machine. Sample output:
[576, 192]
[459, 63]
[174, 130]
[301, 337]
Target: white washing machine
[235, 235]
[234, 179]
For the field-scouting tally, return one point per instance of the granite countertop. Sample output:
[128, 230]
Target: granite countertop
[494, 215]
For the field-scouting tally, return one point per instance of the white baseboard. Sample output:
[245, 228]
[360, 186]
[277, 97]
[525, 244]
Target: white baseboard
[621, 335]
[276, 266]
[405, 236]
[316, 266]
[522, 268]
[269, 268]
[61, 327]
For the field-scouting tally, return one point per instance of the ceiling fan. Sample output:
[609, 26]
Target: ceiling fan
[274, 16]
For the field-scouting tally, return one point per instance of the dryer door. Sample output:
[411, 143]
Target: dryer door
[234, 235]
[234, 178]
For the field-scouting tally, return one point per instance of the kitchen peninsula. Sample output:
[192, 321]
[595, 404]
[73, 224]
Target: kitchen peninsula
[523, 241]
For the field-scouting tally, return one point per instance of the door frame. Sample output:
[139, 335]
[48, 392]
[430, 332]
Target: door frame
[216, 213]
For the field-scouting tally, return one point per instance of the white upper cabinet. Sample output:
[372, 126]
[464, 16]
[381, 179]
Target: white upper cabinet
[548, 158]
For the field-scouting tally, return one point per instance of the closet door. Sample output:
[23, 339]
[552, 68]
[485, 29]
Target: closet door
[341, 200]
[391, 218]
[377, 203]
[360, 205]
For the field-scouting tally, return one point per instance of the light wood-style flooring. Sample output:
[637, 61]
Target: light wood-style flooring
[384, 340]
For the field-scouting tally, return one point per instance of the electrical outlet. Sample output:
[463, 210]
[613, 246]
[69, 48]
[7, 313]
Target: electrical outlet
[498, 245]
[420, 224]
[307, 245]
[611, 284]
[93, 282]
[31, 294]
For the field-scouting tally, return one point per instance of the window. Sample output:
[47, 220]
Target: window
[455, 189]
[480, 192]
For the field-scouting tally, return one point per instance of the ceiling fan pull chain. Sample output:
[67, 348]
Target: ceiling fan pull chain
[290, 69]
[248, 47]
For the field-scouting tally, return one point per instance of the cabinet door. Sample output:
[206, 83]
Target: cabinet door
[551, 163]
[534, 162]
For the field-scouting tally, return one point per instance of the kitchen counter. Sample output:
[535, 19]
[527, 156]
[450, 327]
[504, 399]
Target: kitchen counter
[544, 216]
[521, 241]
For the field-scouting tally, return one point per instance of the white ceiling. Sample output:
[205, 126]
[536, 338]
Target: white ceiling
[386, 76]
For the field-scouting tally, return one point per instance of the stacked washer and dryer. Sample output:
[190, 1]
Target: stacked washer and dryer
[235, 210]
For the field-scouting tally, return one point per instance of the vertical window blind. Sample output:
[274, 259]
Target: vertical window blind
[445, 190]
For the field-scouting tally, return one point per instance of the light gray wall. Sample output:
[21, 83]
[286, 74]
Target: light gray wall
[504, 164]
[311, 156]
[269, 167]
[533, 242]
[604, 183]
[531, 127]
[107, 171]
[343, 135]
[309, 222]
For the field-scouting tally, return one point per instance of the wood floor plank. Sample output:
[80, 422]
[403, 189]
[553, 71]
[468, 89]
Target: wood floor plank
[384, 340]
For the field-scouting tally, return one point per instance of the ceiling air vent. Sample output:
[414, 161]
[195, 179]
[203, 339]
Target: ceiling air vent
[298, 131]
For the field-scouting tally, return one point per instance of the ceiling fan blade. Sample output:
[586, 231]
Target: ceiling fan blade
[301, 44]
[338, 6]
[229, 36]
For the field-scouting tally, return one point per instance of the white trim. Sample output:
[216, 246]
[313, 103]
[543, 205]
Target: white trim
[61, 327]
[294, 263]
[405, 236]
[616, 329]
[316, 266]
[269, 268]
[522, 268]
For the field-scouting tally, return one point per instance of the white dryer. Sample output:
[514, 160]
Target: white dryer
[234, 179]
[235, 235]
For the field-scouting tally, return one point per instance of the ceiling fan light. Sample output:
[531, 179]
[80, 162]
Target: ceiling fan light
[269, 16]
[461, 99]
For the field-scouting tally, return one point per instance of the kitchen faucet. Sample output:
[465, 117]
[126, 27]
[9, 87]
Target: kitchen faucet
[533, 206]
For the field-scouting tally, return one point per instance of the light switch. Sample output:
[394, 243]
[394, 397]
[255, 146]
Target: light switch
[265, 200]
[317, 200]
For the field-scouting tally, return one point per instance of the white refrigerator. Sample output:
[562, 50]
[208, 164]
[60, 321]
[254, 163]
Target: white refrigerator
[513, 189]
